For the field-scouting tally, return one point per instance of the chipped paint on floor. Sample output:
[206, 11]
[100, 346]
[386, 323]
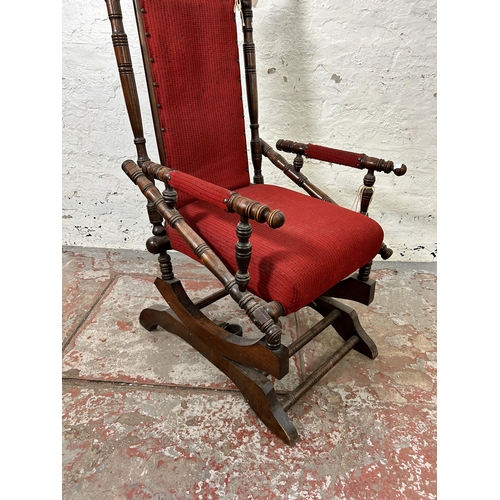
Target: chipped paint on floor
[145, 416]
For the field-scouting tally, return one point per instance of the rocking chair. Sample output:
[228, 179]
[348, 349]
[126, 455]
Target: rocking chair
[302, 250]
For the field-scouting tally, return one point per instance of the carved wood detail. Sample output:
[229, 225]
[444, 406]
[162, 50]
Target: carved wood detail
[255, 211]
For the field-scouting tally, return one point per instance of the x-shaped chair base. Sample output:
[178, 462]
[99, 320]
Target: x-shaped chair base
[248, 362]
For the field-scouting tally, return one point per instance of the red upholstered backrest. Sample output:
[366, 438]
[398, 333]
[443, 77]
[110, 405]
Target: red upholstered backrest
[193, 51]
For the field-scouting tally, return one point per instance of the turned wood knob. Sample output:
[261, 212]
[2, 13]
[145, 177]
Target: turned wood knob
[385, 252]
[400, 170]
[381, 165]
[256, 211]
[275, 218]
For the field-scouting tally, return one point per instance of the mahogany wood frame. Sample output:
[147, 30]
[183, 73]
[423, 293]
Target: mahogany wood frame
[249, 363]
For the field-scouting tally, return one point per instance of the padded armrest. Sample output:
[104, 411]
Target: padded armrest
[213, 194]
[340, 157]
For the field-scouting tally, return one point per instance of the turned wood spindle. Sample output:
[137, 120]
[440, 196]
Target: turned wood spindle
[127, 77]
[251, 84]
[367, 193]
[298, 162]
[159, 243]
[167, 273]
[243, 252]
[170, 196]
[366, 196]
[364, 272]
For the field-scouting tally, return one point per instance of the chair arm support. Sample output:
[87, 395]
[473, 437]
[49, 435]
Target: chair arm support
[288, 169]
[213, 194]
[255, 310]
[347, 158]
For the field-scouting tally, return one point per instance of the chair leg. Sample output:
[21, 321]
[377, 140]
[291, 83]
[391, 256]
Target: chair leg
[256, 388]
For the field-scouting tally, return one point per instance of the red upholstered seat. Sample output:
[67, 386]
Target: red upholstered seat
[319, 245]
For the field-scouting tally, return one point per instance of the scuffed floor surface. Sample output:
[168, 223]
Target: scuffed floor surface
[146, 417]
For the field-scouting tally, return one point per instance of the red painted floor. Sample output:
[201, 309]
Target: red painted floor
[146, 417]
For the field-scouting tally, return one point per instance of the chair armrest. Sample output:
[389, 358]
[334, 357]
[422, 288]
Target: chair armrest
[350, 159]
[260, 315]
[211, 193]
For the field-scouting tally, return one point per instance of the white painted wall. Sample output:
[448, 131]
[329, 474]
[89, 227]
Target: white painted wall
[357, 75]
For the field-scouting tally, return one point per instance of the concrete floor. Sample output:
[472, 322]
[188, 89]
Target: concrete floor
[146, 417]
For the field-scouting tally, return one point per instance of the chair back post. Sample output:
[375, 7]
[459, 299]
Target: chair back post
[159, 242]
[146, 60]
[251, 87]
[127, 77]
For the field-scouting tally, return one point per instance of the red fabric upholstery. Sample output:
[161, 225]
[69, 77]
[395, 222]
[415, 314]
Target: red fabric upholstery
[333, 155]
[319, 245]
[194, 62]
[202, 190]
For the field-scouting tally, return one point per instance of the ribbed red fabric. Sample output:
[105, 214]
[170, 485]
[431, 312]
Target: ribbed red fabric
[333, 155]
[194, 63]
[319, 245]
[200, 189]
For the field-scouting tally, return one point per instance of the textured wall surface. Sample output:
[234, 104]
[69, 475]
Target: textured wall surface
[357, 75]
